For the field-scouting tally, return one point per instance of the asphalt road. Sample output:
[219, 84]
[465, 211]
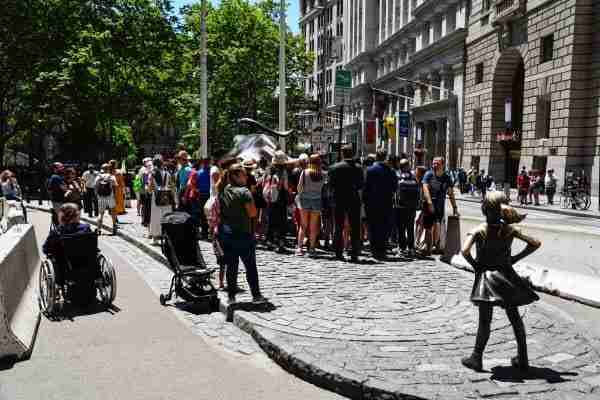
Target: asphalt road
[568, 243]
[141, 351]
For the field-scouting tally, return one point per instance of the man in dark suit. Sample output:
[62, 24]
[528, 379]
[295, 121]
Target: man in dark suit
[345, 180]
[380, 186]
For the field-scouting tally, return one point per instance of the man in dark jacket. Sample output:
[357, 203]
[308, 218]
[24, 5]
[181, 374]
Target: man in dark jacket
[346, 179]
[380, 186]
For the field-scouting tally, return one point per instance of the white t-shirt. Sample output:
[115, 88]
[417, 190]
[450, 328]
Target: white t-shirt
[214, 170]
[90, 178]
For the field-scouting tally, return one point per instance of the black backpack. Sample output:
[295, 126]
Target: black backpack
[407, 194]
[104, 186]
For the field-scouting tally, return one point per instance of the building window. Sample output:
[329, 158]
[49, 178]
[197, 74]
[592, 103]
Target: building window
[486, 5]
[479, 73]
[547, 48]
[477, 124]
[485, 20]
[544, 106]
[475, 162]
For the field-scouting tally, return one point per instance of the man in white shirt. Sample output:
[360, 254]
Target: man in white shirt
[145, 198]
[90, 199]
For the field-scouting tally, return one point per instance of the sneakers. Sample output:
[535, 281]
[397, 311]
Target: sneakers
[260, 299]
[299, 251]
[518, 363]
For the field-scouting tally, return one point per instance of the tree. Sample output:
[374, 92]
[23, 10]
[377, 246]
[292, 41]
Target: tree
[243, 42]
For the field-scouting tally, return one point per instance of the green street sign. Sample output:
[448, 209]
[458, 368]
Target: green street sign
[343, 79]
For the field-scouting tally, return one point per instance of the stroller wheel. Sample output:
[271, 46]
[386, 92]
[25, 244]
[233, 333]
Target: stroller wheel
[162, 299]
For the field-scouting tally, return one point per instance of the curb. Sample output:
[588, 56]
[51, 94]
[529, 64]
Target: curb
[567, 285]
[534, 208]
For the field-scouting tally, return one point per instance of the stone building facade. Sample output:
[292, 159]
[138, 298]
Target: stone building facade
[322, 27]
[414, 51]
[532, 87]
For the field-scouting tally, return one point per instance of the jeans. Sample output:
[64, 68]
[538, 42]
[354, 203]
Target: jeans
[352, 211]
[238, 246]
[90, 202]
[406, 227]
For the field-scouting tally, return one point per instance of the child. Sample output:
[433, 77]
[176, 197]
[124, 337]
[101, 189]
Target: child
[496, 282]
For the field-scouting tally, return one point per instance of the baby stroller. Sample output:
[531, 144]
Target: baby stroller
[191, 279]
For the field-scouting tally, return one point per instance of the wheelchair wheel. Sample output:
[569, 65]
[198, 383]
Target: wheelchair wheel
[47, 288]
[107, 286]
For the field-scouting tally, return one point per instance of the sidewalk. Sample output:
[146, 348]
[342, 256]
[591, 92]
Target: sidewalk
[398, 329]
[555, 208]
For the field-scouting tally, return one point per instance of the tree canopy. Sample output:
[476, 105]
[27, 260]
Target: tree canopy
[104, 77]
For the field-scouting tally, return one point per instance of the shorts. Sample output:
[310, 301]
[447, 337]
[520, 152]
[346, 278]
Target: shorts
[430, 219]
[309, 203]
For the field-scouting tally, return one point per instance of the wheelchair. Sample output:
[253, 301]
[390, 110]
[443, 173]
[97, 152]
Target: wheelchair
[88, 275]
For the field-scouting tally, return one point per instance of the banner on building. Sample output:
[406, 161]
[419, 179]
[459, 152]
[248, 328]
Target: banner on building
[389, 123]
[371, 132]
[403, 124]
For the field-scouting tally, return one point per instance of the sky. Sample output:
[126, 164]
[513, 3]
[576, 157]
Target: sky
[293, 11]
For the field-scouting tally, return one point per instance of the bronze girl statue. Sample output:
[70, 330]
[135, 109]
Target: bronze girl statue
[496, 282]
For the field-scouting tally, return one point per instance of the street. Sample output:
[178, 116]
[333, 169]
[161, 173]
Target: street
[141, 351]
[568, 243]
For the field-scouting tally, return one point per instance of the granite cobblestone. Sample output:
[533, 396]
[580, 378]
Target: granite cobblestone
[389, 330]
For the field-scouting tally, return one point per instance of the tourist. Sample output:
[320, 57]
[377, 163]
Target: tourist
[9, 185]
[537, 187]
[90, 200]
[310, 190]
[145, 196]
[74, 191]
[496, 282]
[276, 194]
[550, 185]
[203, 183]
[106, 185]
[235, 231]
[380, 185]
[161, 187]
[56, 189]
[436, 185]
[346, 180]
[407, 200]
[183, 173]
[523, 183]
[120, 189]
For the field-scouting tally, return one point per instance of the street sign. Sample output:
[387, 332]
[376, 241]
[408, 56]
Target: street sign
[403, 124]
[343, 87]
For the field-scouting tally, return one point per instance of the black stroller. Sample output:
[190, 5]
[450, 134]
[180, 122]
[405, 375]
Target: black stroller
[191, 281]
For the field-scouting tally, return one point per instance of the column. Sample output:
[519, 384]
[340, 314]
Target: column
[432, 24]
[444, 29]
[419, 40]
[393, 28]
[460, 15]
[401, 21]
[381, 6]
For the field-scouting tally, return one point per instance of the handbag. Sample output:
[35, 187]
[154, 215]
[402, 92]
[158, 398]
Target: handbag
[163, 198]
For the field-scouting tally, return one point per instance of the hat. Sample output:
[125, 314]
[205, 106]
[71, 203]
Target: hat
[249, 164]
[58, 166]
[183, 155]
[279, 158]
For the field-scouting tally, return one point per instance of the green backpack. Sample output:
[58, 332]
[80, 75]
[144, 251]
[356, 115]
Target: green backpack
[137, 184]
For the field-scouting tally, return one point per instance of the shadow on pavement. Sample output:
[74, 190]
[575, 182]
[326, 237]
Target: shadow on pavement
[510, 374]
[70, 311]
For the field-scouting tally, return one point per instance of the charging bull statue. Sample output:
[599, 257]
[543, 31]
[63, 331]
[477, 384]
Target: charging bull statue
[259, 145]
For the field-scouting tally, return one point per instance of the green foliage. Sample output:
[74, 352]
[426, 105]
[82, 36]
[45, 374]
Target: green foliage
[105, 76]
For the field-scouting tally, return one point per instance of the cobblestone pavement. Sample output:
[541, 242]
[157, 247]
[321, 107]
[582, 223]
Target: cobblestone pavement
[394, 330]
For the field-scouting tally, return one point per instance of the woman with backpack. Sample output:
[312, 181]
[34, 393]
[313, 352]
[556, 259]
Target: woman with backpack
[310, 187]
[236, 211]
[162, 189]
[105, 189]
[275, 193]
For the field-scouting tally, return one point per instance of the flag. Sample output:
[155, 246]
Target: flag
[371, 131]
[389, 123]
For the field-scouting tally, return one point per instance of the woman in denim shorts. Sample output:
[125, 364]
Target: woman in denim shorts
[310, 187]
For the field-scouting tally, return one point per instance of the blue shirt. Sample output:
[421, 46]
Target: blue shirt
[203, 180]
[438, 187]
[57, 194]
[50, 245]
[182, 177]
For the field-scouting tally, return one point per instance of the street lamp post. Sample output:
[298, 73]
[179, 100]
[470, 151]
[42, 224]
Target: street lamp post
[282, 88]
[203, 85]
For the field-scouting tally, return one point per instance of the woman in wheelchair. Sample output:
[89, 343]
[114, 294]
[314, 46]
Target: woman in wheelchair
[69, 224]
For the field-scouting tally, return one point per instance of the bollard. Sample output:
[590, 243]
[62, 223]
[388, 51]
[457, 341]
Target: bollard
[453, 235]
